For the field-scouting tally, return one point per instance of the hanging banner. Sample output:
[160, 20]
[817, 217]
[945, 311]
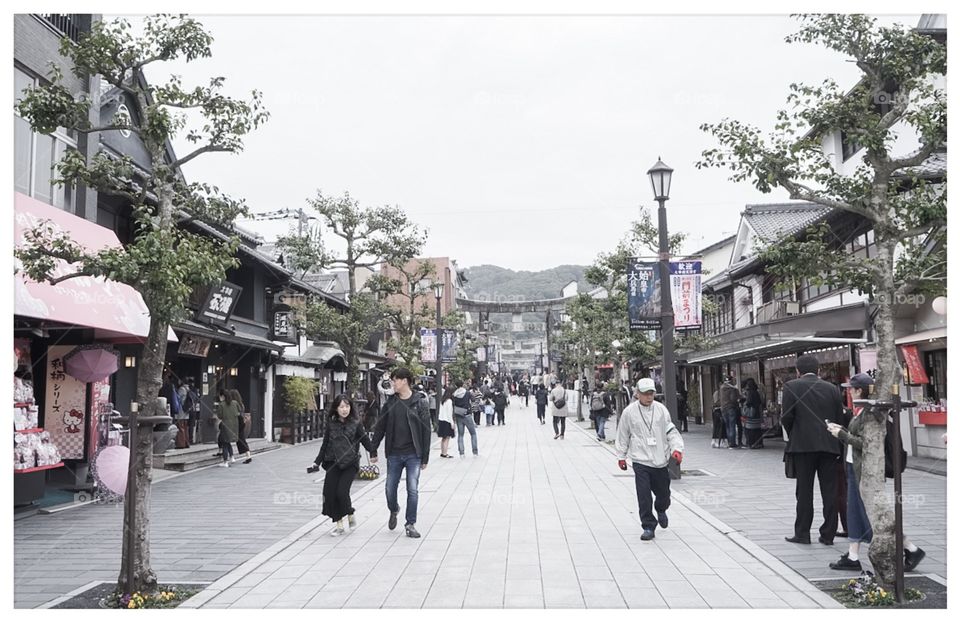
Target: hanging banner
[911, 356]
[868, 360]
[685, 294]
[283, 327]
[643, 295]
[481, 354]
[428, 345]
[65, 407]
[99, 405]
[448, 346]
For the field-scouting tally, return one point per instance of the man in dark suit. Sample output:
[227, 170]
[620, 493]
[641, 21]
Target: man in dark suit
[808, 404]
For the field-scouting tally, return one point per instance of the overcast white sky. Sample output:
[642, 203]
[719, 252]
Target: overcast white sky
[518, 141]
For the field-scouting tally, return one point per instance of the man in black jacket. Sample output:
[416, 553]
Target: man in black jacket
[809, 403]
[405, 422]
[541, 403]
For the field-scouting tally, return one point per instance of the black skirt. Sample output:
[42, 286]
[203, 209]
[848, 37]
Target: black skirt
[445, 430]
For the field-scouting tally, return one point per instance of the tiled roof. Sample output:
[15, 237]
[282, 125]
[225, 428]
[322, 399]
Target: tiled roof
[776, 220]
[933, 167]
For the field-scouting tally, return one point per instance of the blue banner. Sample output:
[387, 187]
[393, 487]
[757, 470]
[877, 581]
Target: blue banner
[643, 295]
[448, 345]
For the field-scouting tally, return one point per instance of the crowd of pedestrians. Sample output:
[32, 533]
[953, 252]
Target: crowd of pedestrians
[823, 443]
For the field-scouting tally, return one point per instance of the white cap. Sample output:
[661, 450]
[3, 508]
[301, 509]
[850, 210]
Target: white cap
[646, 384]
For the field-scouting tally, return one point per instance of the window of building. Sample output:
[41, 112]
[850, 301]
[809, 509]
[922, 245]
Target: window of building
[848, 146]
[35, 155]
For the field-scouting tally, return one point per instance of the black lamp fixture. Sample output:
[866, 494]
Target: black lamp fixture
[660, 177]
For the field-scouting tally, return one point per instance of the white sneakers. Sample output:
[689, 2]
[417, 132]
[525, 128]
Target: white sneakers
[224, 464]
[352, 522]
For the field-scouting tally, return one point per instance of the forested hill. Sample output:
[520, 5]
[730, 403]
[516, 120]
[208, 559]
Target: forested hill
[488, 282]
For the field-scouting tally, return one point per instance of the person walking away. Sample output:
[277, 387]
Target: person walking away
[719, 436]
[753, 414]
[182, 417]
[228, 412]
[647, 437]
[730, 407]
[432, 394]
[462, 404]
[683, 409]
[445, 422]
[541, 400]
[169, 391]
[858, 526]
[193, 409]
[243, 449]
[500, 406]
[489, 411]
[808, 404]
[601, 407]
[405, 423]
[559, 410]
[477, 395]
[339, 456]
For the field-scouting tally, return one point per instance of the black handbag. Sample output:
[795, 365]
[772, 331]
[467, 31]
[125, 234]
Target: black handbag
[789, 468]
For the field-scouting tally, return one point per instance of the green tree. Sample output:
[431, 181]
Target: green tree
[372, 237]
[464, 366]
[901, 68]
[406, 320]
[165, 263]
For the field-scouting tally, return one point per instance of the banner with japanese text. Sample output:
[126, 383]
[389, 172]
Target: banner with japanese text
[643, 295]
[685, 294]
[428, 345]
[65, 407]
[449, 341]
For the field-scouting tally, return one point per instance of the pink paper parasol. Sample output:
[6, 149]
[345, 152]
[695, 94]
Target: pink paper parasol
[91, 363]
[111, 468]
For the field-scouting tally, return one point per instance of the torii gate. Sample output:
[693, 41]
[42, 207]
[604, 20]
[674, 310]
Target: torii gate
[485, 307]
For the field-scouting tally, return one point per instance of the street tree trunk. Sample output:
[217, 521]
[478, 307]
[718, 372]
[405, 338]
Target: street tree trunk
[136, 501]
[872, 482]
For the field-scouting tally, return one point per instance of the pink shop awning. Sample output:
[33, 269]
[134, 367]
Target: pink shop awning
[112, 308]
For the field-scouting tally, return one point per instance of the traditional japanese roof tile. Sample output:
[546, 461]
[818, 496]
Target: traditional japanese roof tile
[776, 220]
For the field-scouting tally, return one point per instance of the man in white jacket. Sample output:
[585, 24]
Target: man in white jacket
[646, 435]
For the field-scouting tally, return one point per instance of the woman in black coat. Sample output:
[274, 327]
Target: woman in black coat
[753, 414]
[340, 458]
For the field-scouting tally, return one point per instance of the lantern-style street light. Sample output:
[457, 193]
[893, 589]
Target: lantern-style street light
[661, 177]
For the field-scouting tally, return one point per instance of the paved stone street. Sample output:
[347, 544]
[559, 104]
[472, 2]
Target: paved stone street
[203, 524]
[532, 522]
[749, 493]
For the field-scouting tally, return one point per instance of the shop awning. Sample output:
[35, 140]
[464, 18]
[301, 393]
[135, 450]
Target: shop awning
[239, 338]
[114, 309]
[314, 356]
[925, 335]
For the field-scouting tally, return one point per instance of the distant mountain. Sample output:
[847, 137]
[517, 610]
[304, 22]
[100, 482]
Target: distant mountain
[488, 282]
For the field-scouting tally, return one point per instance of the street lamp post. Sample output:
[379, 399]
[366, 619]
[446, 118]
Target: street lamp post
[438, 292]
[660, 177]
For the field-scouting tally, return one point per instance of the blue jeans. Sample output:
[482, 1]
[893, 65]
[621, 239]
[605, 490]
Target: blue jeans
[601, 426]
[395, 464]
[858, 523]
[730, 417]
[471, 426]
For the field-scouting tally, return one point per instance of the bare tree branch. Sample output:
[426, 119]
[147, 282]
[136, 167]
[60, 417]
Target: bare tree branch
[801, 192]
[205, 149]
[912, 233]
[918, 158]
[65, 277]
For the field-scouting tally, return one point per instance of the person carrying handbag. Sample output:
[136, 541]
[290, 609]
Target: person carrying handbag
[339, 456]
[462, 414]
[858, 523]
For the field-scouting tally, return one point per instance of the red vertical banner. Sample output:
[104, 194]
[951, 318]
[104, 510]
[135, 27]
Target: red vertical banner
[99, 404]
[911, 356]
